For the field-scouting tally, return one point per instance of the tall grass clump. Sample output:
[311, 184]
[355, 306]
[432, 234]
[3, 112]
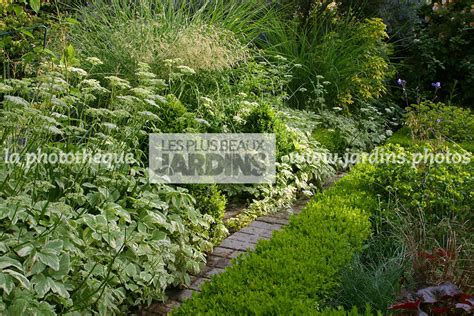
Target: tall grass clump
[201, 35]
[348, 53]
[373, 277]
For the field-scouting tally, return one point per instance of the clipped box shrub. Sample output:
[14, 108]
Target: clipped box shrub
[212, 202]
[331, 139]
[298, 269]
[263, 119]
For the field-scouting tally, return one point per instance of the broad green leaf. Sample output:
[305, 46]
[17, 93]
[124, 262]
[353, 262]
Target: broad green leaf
[41, 285]
[27, 33]
[131, 270]
[159, 235]
[64, 267]
[69, 53]
[35, 5]
[55, 245]
[44, 309]
[25, 251]
[117, 210]
[4, 211]
[49, 259]
[20, 277]
[49, 52]
[6, 283]
[58, 288]
[93, 198]
[18, 9]
[72, 21]
[37, 268]
[18, 307]
[9, 262]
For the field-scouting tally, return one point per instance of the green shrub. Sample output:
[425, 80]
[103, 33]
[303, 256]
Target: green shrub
[331, 139]
[296, 172]
[298, 269]
[402, 137]
[350, 55]
[211, 201]
[176, 118]
[440, 49]
[262, 119]
[429, 120]
[439, 189]
[361, 130]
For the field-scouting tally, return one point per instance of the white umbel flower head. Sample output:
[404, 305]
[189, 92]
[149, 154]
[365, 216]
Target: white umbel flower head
[94, 61]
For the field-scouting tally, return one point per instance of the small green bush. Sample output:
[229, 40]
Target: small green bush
[429, 120]
[210, 201]
[262, 119]
[439, 189]
[298, 269]
[402, 137]
[176, 118]
[331, 139]
[360, 130]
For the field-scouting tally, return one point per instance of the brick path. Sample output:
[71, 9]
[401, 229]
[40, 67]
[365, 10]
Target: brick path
[231, 247]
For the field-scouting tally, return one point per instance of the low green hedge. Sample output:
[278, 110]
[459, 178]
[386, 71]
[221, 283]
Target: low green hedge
[298, 269]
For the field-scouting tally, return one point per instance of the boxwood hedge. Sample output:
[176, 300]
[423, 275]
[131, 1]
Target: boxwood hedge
[298, 269]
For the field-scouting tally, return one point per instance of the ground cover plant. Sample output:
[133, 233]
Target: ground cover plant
[57, 217]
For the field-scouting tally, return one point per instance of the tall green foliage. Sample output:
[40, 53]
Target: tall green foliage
[349, 54]
[204, 34]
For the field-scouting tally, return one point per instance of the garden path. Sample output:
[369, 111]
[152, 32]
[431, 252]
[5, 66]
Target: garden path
[234, 245]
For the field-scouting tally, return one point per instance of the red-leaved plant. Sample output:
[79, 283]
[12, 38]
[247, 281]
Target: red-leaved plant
[444, 299]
